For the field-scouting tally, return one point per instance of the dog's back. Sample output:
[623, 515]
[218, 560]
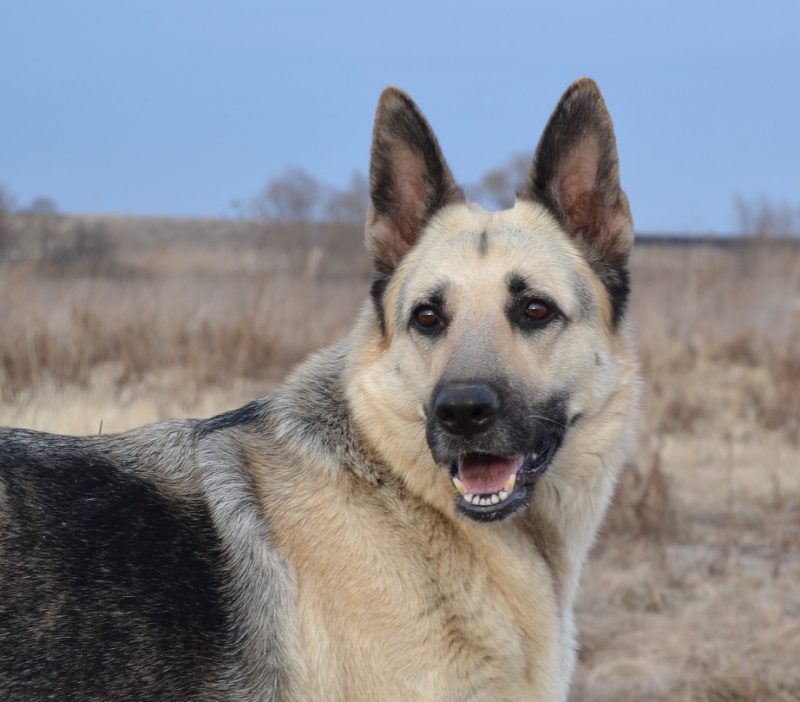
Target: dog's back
[138, 566]
[112, 586]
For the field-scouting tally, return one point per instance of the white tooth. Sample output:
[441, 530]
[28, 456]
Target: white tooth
[468, 497]
[503, 495]
[512, 480]
[485, 501]
[495, 499]
[460, 486]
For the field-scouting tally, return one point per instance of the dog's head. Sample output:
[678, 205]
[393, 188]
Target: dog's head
[499, 330]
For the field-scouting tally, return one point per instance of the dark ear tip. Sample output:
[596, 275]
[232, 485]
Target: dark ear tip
[583, 91]
[393, 98]
[585, 83]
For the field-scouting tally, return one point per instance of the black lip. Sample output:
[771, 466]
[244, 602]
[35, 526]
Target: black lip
[520, 499]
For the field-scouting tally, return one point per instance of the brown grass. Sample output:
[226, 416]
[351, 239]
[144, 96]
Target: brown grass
[691, 593]
[216, 301]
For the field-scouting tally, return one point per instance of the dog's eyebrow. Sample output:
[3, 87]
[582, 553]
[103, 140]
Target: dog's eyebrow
[519, 287]
[517, 284]
[435, 295]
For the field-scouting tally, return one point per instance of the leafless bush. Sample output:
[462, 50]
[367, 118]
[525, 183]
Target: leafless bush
[295, 196]
[644, 506]
[41, 205]
[349, 205]
[777, 406]
[766, 218]
[498, 188]
[5, 229]
[88, 250]
[39, 223]
[737, 687]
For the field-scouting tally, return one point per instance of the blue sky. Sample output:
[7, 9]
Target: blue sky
[178, 107]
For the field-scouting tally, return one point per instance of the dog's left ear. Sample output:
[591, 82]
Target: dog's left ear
[575, 175]
[409, 180]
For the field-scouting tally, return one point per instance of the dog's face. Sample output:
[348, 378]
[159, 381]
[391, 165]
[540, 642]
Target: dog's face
[499, 326]
[495, 326]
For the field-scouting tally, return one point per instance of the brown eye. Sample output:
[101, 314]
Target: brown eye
[426, 318]
[537, 311]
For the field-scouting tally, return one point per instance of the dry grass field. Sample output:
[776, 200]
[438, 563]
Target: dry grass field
[693, 591]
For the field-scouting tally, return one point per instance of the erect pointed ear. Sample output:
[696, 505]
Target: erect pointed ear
[575, 174]
[409, 180]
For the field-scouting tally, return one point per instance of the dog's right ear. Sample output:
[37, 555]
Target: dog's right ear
[409, 180]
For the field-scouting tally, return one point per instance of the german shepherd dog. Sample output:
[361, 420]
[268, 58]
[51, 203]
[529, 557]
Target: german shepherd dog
[406, 518]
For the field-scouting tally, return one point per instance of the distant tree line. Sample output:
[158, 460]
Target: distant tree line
[298, 196]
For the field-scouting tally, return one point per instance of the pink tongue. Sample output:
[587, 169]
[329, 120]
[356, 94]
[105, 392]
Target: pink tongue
[483, 474]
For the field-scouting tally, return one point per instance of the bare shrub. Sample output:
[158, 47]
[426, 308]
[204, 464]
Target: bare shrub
[42, 205]
[739, 350]
[349, 205]
[39, 222]
[784, 413]
[736, 687]
[776, 406]
[498, 187]
[644, 506]
[87, 251]
[295, 196]
[764, 218]
[682, 413]
[5, 228]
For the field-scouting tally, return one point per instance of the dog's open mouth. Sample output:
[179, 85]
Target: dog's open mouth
[494, 487]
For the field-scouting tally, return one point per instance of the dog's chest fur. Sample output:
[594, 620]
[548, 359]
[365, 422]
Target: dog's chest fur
[405, 602]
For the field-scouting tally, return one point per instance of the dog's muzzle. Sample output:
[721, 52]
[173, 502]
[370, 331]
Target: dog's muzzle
[496, 455]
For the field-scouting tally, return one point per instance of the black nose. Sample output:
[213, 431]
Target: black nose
[466, 410]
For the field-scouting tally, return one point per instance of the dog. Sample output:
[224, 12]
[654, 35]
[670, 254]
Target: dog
[407, 517]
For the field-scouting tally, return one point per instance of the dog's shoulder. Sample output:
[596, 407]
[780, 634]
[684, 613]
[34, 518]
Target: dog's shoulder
[311, 415]
[150, 539]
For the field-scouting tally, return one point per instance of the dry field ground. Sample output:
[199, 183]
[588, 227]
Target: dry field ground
[693, 591]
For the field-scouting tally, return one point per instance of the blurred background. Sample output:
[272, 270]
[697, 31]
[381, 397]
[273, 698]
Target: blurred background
[182, 197]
